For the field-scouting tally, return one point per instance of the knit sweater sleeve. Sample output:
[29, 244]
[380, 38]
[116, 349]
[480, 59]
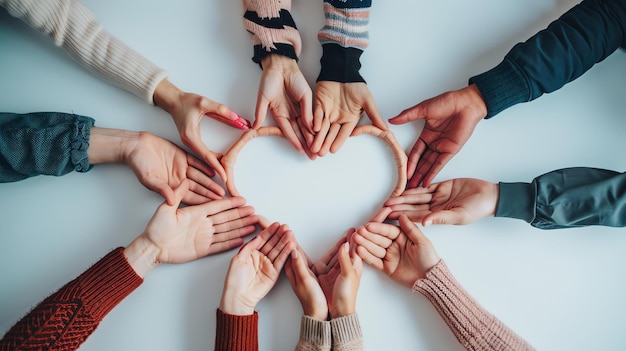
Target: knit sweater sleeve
[474, 327]
[73, 27]
[566, 198]
[343, 38]
[238, 333]
[315, 335]
[47, 143]
[566, 49]
[65, 319]
[347, 335]
[273, 29]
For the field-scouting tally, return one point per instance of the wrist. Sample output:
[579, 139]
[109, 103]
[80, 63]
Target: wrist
[321, 314]
[341, 311]
[276, 60]
[142, 255]
[110, 145]
[232, 305]
[476, 101]
[167, 96]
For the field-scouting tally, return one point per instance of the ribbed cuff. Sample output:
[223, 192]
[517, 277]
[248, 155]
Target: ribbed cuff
[346, 330]
[280, 49]
[340, 64]
[517, 200]
[315, 332]
[79, 143]
[106, 284]
[502, 87]
[236, 332]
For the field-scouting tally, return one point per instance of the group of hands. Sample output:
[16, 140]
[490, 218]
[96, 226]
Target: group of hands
[327, 289]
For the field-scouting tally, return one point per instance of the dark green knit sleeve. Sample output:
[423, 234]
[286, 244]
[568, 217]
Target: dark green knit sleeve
[43, 143]
[566, 198]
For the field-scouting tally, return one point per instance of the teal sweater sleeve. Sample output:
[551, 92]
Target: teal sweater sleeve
[47, 143]
[566, 198]
[567, 48]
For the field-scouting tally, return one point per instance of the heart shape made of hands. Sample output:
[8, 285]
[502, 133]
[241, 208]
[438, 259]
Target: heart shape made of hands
[230, 157]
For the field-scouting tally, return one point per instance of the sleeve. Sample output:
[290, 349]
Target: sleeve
[315, 335]
[273, 29]
[566, 49]
[47, 143]
[346, 332]
[566, 198]
[475, 328]
[238, 333]
[65, 319]
[343, 38]
[73, 27]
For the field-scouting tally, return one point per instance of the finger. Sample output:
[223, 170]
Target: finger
[214, 207]
[260, 111]
[411, 198]
[266, 234]
[381, 215]
[199, 173]
[344, 133]
[306, 110]
[414, 158]
[320, 135]
[285, 125]
[193, 199]
[243, 221]
[361, 240]
[372, 112]
[180, 192]
[272, 241]
[232, 215]
[162, 188]
[233, 234]
[201, 189]
[287, 245]
[318, 117]
[330, 138]
[412, 231]
[369, 258]
[376, 239]
[415, 216]
[443, 217]
[441, 161]
[408, 115]
[345, 263]
[213, 161]
[300, 130]
[387, 230]
[225, 246]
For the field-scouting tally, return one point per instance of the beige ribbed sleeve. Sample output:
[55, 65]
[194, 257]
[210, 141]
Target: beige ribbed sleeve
[314, 335]
[474, 327]
[72, 26]
[347, 335]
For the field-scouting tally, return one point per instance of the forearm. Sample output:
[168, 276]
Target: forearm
[343, 38]
[236, 332]
[74, 27]
[315, 335]
[570, 197]
[46, 143]
[65, 320]
[474, 327]
[566, 49]
[273, 29]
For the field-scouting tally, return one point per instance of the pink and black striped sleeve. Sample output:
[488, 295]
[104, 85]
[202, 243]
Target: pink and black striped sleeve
[343, 38]
[273, 29]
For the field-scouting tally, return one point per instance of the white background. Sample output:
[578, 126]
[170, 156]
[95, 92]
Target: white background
[560, 290]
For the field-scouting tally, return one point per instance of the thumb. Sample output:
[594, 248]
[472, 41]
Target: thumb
[161, 187]
[179, 193]
[408, 115]
[411, 230]
[440, 217]
[345, 263]
[299, 265]
[372, 111]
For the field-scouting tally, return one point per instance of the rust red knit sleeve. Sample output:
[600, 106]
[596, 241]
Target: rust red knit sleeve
[474, 327]
[65, 319]
[236, 333]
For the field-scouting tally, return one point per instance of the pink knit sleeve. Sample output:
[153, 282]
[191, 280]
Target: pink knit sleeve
[474, 327]
[64, 320]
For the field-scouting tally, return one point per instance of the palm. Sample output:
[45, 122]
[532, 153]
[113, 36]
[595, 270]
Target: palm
[470, 199]
[255, 274]
[398, 262]
[341, 103]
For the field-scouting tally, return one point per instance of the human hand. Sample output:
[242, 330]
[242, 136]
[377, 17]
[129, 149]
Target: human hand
[456, 201]
[403, 253]
[255, 269]
[306, 286]
[450, 120]
[284, 90]
[338, 109]
[340, 283]
[187, 110]
[179, 235]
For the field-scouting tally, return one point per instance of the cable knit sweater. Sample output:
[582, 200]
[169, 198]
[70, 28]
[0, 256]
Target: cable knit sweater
[474, 327]
[65, 319]
[73, 27]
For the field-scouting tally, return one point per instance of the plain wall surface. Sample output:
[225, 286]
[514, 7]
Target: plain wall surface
[560, 290]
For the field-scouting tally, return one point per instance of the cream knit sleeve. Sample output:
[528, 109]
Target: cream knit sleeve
[72, 26]
[474, 327]
[314, 335]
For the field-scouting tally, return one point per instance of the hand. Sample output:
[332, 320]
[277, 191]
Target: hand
[403, 253]
[341, 282]
[255, 269]
[338, 109]
[187, 110]
[284, 90]
[304, 283]
[179, 235]
[456, 201]
[450, 120]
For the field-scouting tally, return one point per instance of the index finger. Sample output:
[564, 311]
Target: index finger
[285, 125]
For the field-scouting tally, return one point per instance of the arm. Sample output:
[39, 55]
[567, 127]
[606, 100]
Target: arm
[571, 197]
[566, 49]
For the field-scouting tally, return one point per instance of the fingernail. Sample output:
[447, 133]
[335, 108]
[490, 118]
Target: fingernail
[427, 223]
[294, 254]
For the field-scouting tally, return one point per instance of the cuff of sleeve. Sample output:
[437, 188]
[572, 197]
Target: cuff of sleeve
[346, 329]
[107, 283]
[279, 49]
[79, 143]
[517, 200]
[340, 64]
[236, 332]
[315, 332]
[501, 87]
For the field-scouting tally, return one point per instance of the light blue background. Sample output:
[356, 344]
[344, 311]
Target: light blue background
[560, 290]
